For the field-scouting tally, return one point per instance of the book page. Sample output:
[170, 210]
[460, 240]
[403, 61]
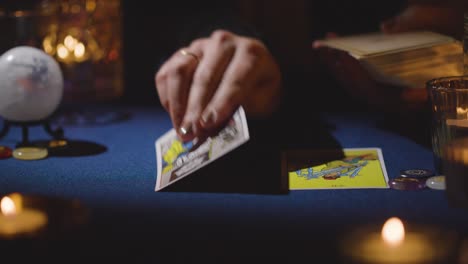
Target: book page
[404, 59]
[415, 67]
[373, 44]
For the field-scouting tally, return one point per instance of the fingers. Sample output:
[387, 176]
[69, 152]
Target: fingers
[319, 44]
[415, 95]
[237, 81]
[173, 82]
[202, 91]
[207, 77]
[398, 24]
[334, 60]
[330, 35]
[389, 26]
[360, 83]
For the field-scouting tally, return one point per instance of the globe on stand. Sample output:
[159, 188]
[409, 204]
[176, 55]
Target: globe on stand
[31, 89]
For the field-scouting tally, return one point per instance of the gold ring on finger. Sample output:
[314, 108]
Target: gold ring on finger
[185, 52]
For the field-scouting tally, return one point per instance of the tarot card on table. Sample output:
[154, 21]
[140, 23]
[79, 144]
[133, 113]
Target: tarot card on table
[358, 168]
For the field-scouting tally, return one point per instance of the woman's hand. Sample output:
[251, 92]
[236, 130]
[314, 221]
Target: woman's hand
[203, 84]
[359, 83]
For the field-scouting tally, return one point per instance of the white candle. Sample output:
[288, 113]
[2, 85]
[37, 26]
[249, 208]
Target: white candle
[393, 244]
[457, 122]
[17, 221]
[461, 119]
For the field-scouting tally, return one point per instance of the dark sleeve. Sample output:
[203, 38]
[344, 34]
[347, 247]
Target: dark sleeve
[152, 33]
[311, 87]
[207, 16]
[454, 3]
[229, 22]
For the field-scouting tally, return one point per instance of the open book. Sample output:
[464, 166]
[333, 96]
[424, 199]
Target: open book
[405, 59]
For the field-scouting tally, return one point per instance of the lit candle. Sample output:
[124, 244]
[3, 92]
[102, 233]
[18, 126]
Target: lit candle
[393, 244]
[457, 122]
[18, 221]
[462, 112]
[461, 119]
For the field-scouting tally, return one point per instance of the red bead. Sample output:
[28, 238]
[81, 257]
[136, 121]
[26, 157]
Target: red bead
[5, 152]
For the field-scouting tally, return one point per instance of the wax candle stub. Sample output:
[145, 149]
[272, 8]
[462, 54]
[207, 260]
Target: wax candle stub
[396, 244]
[19, 222]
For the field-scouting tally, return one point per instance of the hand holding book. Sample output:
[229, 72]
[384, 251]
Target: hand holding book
[390, 71]
[390, 68]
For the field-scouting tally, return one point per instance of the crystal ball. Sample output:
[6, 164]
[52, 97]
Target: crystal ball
[31, 84]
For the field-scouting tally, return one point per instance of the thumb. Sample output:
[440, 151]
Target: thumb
[392, 25]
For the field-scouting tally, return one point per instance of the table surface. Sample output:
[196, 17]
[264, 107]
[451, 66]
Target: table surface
[128, 218]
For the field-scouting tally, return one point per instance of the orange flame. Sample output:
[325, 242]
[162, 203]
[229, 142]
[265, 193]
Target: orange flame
[393, 231]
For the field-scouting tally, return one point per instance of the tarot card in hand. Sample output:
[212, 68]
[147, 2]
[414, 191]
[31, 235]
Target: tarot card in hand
[176, 159]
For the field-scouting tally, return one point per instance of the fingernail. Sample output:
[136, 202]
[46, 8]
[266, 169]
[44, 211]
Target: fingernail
[316, 44]
[209, 118]
[185, 130]
[330, 35]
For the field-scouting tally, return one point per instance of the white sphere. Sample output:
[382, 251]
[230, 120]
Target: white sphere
[31, 84]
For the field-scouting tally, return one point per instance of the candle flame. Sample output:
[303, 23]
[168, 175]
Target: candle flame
[462, 110]
[90, 5]
[47, 45]
[62, 52]
[79, 50]
[393, 231]
[70, 42]
[7, 206]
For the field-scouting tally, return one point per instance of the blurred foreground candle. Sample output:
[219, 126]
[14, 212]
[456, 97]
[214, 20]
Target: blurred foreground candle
[35, 227]
[16, 221]
[36, 217]
[393, 244]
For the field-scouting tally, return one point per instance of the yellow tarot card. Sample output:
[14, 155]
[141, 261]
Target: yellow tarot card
[357, 168]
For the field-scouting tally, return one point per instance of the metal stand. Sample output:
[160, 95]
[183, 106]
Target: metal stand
[56, 134]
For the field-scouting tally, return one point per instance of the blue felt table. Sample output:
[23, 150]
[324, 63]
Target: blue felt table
[128, 218]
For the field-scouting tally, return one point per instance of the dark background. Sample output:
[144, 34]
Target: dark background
[152, 31]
